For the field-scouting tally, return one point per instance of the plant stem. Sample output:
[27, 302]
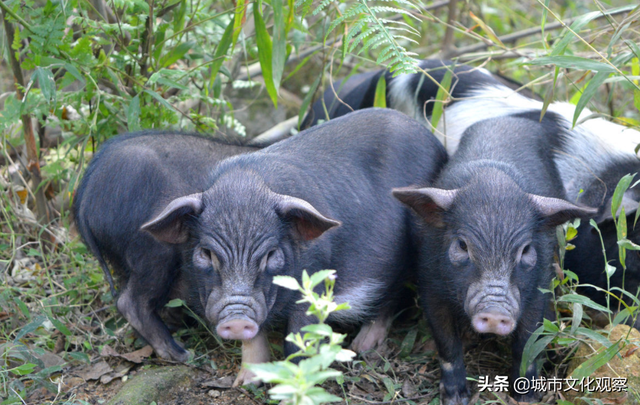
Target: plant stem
[33, 164]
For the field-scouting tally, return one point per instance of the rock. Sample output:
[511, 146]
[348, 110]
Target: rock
[213, 393]
[151, 385]
[625, 365]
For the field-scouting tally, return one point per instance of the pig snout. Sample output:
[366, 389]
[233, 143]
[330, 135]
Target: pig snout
[493, 320]
[237, 321]
[238, 329]
[493, 308]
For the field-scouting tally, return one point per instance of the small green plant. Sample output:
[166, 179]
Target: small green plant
[566, 332]
[319, 346]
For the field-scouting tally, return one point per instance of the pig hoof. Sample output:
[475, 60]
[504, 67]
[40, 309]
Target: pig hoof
[532, 396]
[246, 377]
[454, 398]
[174, 354]
[370, 337]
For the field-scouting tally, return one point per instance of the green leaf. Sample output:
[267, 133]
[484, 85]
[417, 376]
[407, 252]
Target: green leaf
[221, 52]
[133, 114]
[595, 362]
[550, 94]
[532, 348]
[238, 18]
[388, 384]
[24, 369]
[621, 228]
[578, 23]
[319, 276]
[594, 335]
[74, 72]
[46, 83]
[30, 327]
[286, 282]
[159, 98]
[577, 317]
[443, 92]
[487, 30]
[264, 54]
[174, 54]
[319, 329]
[573, 62]
[621, 188]
[380, 97]
[279, 49]
[174, 303]
[179, 16]
[307, 100]
[23, 307]
[407, 343]
[623, 315]
[60, 326]
[588, 94]
[318, 395]
[550, 326]
[635, 71]
[581, 299]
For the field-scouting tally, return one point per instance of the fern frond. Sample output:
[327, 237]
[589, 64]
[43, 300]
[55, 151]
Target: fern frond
[367, 27]
[323, 4]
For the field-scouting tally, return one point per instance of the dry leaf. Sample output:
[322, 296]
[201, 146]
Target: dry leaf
[629, 352]
[95, 371]
[138, 355]
[134, 357]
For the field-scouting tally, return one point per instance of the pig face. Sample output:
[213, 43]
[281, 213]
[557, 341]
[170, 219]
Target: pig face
[243, 234]
[495, 244]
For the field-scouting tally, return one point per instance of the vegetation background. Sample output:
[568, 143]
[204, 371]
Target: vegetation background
[77, 72]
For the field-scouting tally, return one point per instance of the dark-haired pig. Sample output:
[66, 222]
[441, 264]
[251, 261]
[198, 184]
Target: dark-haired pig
[130, 178]
[489, 239]
[319, 200]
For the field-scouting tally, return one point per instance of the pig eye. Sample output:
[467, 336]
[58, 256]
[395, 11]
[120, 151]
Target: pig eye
[274, 261]
[205, 258]
[528, 255]
[459, 251]
[463, 245]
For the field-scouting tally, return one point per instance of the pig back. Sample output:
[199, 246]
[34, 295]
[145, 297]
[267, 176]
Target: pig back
[346, 169]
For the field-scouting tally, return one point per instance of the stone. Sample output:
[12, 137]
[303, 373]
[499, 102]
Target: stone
[626, 365]
[151, 385]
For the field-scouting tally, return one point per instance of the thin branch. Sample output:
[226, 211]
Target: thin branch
[513, 37]
[447, 44]
[33, 164]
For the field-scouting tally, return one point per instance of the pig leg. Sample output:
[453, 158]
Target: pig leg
[529, 321]
[453, 382]
[372, 334]
[254, 351]
[297, 320]
[138, 303]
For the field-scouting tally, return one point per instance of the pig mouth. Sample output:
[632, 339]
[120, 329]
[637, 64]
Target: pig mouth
[493, 309]
[237, 317]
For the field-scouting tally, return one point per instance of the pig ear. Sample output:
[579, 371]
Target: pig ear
[308, 222]
[556, 211]
[169, 226]
[428, 202]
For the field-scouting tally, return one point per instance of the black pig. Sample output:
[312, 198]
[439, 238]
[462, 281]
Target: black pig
[319, 200]
[591, 158]
[128, 180]
[489, 240]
